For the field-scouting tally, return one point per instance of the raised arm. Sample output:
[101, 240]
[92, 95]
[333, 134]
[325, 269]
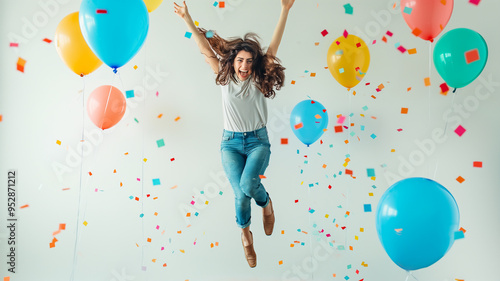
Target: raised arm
[201, 41]
[280, 27]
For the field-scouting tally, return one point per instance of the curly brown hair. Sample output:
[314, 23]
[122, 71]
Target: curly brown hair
[268, 73]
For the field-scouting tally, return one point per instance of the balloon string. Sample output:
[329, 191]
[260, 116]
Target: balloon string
[310, 223]
[107, 101]
[444, 130]
[410, 274]
[75, 247]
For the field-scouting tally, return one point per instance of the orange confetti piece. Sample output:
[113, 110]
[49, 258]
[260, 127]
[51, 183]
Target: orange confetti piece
[298, 126]
[114, 171]
[324, 166]
[316, 43]
[182, 251]
[222, 4]
[463, 230]
[160, 115]
[293, 82]
[404, 110]
[24, 206]
[282, 232]
[262, 176]
[416, 31]
[409, 89]
[6, 278]
[188, 214]
[20, 64]
[121, 184]
[317, 116]
[179, 232]
[126, 153]
[153, 260]
[427, 81]
[412, 51]
[313, 74]
[284, 141]
[1, 117]
[149, 240]
[174, 187]
[460, 179]
[381, 86]
[351, 248]
[280, 262]
[177, 118]
[90, 173]
[164, 265]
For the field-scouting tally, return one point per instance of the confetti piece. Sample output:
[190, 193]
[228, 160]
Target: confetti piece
[177, 118]
[367, 207]
[474, 2]
[477, 164]
[156, 181]
[471, 56]
[458, 235]
[427, 81]
[338, 129]
[129, 94]
[293, 82]
[298, 126]
[101, 11]
[209, 34]
[284, 141]
[370, 172]
[160, 142]
[85, 223]
[407, 10]
[412, 51]
[188, 34]
[404, 110]
[341, 70]
[174, 187]
[20, 64]
[460, 179]
[90, 173]
[47, 40]
[24, 206]
[416, 31]
[280, 262]
[313, 74]
[358, 45]
[373, 136]
[215, 4]
[222, 4]
[262, 177]
[58, 142]
[341, 119]
[460, 130]
[348, 9]
[444, 89]
[402, 49]
[14, 44]
[345, 34]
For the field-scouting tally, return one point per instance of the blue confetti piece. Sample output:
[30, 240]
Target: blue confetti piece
[156, 181]
[352, 134]
[220, 192]
[346, 278]
[368, 207]
[129, 94]
[341, 70]
[302, 243]
[458, 235]
[407, 10]
[351, 115]
[370, 172]
[298, 230]
[397, 45]
[348, 266]
[340, 247]
[216, 3]
[312, 211]
[365, 108]
[373, 136]
[202, 192]
[188, 34]
[160, 142]
[348, 9]
[362, 127]
[131, 197]
[209, 34]
[141, 215]
[315, 225]
[374, 186]
[196, 214]
[311, 185]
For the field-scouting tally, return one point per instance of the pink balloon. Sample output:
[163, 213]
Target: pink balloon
[106, 106]
[426, 18]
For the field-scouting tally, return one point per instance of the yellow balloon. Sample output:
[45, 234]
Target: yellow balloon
[348, 60]
[152, 4]
[72, 47]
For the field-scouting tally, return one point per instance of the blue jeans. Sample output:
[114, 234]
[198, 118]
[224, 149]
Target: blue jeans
[245, 156]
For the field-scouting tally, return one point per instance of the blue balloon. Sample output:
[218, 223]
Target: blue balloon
[114, 30]
[416, 221]
[460, 56]
[308, 121]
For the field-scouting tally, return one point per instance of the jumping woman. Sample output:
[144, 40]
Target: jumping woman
[247, 76]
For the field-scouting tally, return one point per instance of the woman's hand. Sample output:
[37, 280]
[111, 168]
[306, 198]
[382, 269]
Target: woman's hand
[181, 11]
[287, 4]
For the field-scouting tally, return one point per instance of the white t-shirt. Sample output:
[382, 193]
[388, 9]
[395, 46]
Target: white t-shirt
[244, 107]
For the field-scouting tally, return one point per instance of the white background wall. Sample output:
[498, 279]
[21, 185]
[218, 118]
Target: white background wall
[46, 103]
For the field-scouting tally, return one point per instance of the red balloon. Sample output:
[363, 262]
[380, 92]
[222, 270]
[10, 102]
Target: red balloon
[106, 106]
[426, 18]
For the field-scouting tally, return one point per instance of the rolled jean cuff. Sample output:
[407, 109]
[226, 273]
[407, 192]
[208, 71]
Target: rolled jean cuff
[267, 202]
[245, 225]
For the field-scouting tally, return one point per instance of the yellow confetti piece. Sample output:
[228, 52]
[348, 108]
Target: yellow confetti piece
[135, 66]
[361, 230]
[373, 178]
[196, 23]
[370, 194]
[153, 260]
[182, 251]
[85, 223]
[145, 160]
[206, 202]
[58, 142]
[327, 215]
[393, 150]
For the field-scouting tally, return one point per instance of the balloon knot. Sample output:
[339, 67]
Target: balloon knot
[454, 90]
[115, 70]
[81, 75]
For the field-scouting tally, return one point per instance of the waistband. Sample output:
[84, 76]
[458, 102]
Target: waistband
[236, 134]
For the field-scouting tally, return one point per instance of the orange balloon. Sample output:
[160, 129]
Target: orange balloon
[106, 106]
[426, 18]
[73, 49]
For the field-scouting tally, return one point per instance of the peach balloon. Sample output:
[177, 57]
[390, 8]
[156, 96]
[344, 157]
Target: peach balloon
[106, 106]
[426, 18]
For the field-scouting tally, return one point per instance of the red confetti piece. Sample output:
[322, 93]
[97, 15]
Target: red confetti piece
[389, 33]
[324, 33]
[444, 88]
[262, 177]
[402, 49]
[338, 129]
[460, 130]
[345, 34]
[47, 40]
[14, 44]
[101, 11]
[471, 56]
[284, 141]
[477, 164]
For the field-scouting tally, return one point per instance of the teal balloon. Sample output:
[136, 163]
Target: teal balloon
[460, 56]
[416, 221]
[308, 120]
[114, 30]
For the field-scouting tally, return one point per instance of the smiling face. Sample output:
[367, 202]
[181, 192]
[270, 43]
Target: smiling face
[243, 65]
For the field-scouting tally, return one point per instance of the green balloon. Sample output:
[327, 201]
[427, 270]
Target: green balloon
[460, 56]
